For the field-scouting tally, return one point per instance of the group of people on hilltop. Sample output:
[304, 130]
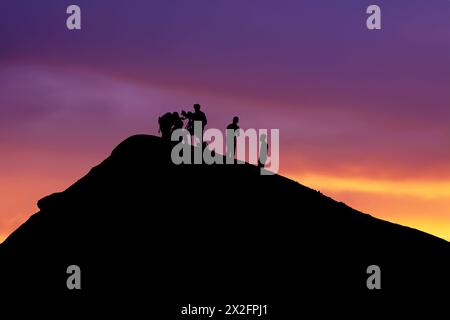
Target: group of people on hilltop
[171, 121]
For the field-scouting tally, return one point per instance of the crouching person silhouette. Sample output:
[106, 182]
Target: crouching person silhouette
[169, 122]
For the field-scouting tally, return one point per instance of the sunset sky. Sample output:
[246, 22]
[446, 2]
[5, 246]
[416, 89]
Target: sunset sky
[364, 116]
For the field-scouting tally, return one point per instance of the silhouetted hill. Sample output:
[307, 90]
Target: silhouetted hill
[149, 235]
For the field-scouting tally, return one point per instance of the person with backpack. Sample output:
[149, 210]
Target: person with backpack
[165, 125]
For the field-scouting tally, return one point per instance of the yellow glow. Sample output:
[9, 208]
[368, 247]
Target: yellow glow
[423, 189]
[423, 205]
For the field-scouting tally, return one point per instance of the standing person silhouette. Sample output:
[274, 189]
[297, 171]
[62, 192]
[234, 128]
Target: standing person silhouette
[263, 151]
[199, 115]
[232, 133]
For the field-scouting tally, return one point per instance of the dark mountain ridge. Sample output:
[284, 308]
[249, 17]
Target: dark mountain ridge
[145, 231]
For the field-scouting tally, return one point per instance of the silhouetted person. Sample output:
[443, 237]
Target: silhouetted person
[263, 151]
[199, 115]
[165, 125]
[231, 137]
[168, 123]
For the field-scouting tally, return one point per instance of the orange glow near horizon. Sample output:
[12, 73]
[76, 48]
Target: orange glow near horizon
[19, 199]
[22, 184]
